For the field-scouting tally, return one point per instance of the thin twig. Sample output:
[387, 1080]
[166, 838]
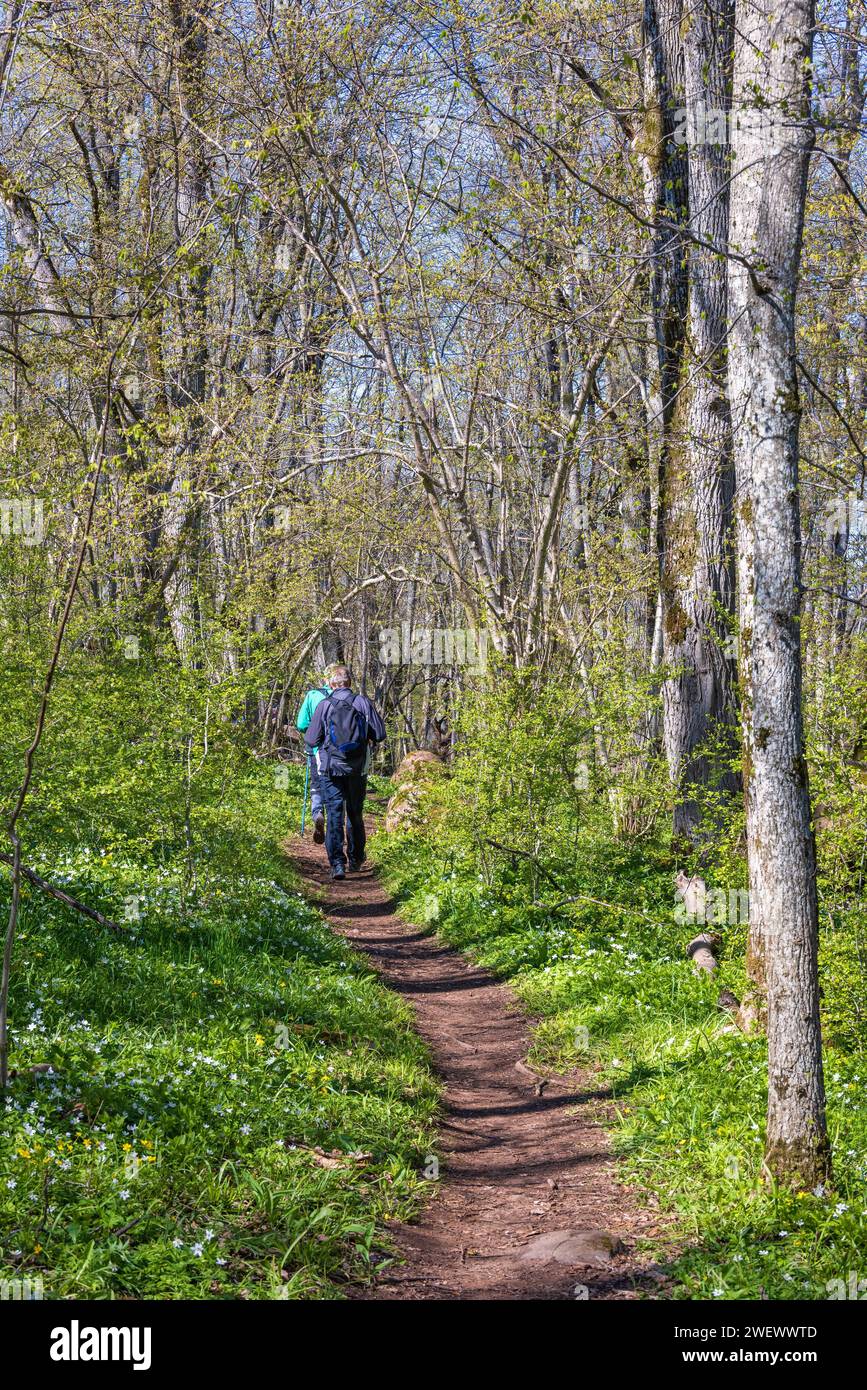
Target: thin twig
[12, 823]
[63, 897]
[524, 854]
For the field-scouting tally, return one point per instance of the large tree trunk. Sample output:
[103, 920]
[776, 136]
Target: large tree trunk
[772, 70]
[686, 76]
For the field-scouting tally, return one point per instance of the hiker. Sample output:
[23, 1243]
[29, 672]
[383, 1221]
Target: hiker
[314, 697]
[343, 729]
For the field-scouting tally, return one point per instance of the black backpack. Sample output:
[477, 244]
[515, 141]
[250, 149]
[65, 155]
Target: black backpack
[345, 736]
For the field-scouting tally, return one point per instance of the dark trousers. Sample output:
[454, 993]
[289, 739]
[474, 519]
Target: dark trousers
[343, 795]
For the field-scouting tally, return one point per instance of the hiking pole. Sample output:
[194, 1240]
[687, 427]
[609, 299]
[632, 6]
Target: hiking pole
[304, 802]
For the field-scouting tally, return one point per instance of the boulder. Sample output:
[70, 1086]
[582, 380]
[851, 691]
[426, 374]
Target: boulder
[421, 763]
[574, 1247]
[402, 807]
[412, 779]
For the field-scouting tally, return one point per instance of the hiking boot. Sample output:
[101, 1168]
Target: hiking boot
[338, 871]
[319, 829]
[355, 865]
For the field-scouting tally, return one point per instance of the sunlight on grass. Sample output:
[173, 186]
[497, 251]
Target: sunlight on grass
[615, 993]
[198, 1067]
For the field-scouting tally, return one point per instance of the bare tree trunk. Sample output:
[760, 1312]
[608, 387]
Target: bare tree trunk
[772, 71]
[666, 193]
[190, 22]
[700, 701]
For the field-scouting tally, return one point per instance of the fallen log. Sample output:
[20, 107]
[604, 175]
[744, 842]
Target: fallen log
[62, 897]
[702, 951]
[728, 1003]
[38, 1069]
[744, 1015]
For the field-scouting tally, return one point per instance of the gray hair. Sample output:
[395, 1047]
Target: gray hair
[339, 677]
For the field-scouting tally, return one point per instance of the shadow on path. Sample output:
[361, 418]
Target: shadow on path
[516, 1164]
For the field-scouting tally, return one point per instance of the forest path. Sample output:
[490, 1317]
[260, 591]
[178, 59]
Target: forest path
[527, 1206]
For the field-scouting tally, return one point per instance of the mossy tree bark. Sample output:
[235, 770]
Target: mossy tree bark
[771, 149]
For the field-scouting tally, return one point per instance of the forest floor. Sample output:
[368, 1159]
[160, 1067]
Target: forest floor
[527, 1206]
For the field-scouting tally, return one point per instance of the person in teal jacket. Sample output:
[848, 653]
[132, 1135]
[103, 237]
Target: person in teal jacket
[302, 724]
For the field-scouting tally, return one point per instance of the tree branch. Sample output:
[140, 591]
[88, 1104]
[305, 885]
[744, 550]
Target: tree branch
[62, 897]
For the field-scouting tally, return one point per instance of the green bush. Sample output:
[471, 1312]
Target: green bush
[582, 921]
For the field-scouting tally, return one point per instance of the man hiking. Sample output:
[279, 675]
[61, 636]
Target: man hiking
[342, 730]
[302, 724]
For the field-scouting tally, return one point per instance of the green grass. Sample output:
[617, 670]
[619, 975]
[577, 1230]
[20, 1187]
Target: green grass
[199, 1064]
[611, 988]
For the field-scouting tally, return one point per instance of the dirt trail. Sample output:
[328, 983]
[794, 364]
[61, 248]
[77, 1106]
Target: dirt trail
[520, 1167]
